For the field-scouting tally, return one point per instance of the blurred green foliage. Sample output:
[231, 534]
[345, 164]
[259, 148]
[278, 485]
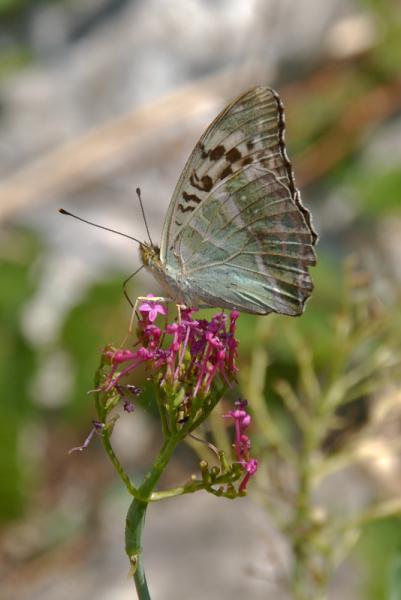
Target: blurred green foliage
[16, 51]
[96, 321]
[380, 548]
[14, 8]
[101, 318]
[316, 386]
[375, 190]
[8, 7]
[18, 252]
[395, 577]
[12, 59]
[386, 55]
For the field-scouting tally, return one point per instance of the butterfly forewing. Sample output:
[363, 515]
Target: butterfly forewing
[217, 154]
[236, 229]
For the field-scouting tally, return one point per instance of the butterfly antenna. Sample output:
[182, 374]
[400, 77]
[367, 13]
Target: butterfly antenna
[125, 286]
[138, 193]
[65, 212]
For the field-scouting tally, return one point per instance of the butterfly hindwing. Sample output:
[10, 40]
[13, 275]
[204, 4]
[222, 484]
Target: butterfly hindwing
[249, 246]
[236, 227]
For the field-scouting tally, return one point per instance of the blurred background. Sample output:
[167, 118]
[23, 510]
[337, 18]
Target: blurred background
[98, 97]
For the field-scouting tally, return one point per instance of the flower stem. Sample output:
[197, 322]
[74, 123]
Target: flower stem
[309, 575]
[137, 512]
[116, 463]
[133, 545]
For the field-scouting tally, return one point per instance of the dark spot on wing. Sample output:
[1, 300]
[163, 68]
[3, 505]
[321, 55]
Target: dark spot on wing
[233, 155]
[247, 161]
[194, 181]
[207, 183]
[226, 172]
[217, 152]
[204, 185]
[204, 154]
[191, 197]
[250, 145]
[184, 209]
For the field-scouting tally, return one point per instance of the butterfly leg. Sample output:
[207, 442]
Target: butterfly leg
[179, 308]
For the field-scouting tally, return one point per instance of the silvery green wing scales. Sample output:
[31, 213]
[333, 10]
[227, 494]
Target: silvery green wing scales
[236, 234]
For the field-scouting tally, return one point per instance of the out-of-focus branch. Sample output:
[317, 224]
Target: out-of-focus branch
[127, 139]
[111, 146]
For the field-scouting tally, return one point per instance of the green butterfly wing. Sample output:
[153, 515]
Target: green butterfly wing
[236, 234]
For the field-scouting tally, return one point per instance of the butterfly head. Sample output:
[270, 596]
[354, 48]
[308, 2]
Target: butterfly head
[149, 254]
[150, 257]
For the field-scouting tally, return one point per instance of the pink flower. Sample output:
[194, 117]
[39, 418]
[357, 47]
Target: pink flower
[119, 356]
[191, 362]
[152, 309]
[242, 443]
[250, 467]
[193, 355]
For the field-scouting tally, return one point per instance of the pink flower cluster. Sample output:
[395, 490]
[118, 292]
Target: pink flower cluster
[193, 359]
[189, 353]
[242, 420]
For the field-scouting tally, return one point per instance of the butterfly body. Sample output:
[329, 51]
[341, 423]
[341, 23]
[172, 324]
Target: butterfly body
[171, 281]
[236, 234]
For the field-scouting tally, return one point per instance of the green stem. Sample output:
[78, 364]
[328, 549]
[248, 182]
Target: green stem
[307, 585]
[107, 430]
[310, 575]
[137, 512]
[117, 465]
[189, 488]
[162, 412]
[133, 545]
[300, 573]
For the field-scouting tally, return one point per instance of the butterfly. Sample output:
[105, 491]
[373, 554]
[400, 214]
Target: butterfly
[236, 234]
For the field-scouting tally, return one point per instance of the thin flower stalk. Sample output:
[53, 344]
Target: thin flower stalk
[190, 363]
